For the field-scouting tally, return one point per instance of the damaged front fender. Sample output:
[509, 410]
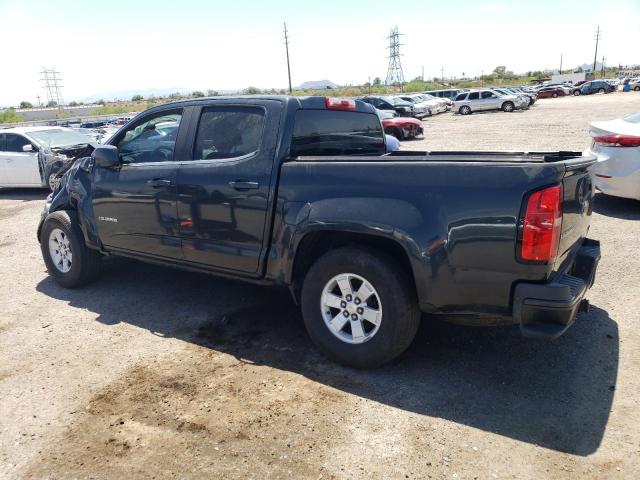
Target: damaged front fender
[74, 193]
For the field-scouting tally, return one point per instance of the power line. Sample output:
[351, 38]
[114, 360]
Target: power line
[395, 76]
[595, 55]
[286, 45]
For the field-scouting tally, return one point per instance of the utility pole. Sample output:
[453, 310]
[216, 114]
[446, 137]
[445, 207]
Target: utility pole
[595, 56]
[286, 45]
[51, 80]
[442, 74]
[482, 78]
[369, 84]
[560, 71]
[422, 77]
[602, 71]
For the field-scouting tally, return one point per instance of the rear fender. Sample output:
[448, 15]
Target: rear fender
[379, 218]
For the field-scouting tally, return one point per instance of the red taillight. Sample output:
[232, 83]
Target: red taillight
[618, 141]
[542, 225]
[340, 104]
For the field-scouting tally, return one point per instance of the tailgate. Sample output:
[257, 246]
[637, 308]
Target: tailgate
[577, 207]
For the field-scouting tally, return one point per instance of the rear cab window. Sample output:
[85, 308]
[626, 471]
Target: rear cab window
[328, 132]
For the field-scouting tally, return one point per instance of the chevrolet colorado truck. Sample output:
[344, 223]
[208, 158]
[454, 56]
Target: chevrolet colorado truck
[300, 192]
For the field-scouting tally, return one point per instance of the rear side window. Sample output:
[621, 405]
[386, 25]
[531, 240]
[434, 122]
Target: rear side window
[474, 96]
[228, 132]
[460, 97]
[326, 132]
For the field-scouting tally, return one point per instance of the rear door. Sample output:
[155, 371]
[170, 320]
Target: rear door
[22, 168]
[225, 183]
[135, 205]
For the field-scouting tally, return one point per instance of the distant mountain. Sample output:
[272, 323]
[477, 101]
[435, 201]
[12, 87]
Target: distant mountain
[317, 85]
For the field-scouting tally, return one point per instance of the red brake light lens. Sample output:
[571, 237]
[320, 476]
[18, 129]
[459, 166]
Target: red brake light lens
[542, 225]
[340, 104]
[618, 141]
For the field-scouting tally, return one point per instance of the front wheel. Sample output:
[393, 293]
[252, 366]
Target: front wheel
[636, 89]
[576, 93]
[508, 107]
[359, 307]
[53, 182]
[65, 254]
[464, 110]
[601, 90]
[555, 95]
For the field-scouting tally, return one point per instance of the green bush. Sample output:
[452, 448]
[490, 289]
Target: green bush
[9, 116]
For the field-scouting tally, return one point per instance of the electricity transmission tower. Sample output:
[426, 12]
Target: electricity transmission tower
[394, 73]
[51, 81]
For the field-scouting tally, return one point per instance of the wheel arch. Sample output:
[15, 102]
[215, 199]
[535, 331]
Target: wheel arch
[315, 242]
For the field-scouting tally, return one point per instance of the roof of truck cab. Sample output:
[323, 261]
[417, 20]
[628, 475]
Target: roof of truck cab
[311, 102]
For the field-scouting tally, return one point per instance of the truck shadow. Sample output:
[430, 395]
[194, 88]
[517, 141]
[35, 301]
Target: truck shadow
[557, 395]
[617, 207]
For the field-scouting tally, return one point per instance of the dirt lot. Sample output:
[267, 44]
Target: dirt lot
[155, 373]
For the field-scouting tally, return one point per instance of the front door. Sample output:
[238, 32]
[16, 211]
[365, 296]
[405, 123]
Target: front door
[22, 167]
[135, 205]
[223, 190]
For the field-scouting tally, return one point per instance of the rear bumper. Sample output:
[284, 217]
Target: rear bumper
[547, 310]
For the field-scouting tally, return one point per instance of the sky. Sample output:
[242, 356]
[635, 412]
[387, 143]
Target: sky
[102, 47]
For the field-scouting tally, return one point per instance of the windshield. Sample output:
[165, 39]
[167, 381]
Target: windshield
[59, 137]
[633, 118]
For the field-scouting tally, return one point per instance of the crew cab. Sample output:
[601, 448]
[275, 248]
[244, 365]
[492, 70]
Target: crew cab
[300, 192]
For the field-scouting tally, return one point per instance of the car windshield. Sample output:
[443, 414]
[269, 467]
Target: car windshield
[633, 118]
[59, 137]
[396, 101]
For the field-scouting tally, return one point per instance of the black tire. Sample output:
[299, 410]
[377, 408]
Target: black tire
[396, 132]
[601, 90]
[508, 107]
[636, 89]
[464, 110]
[576, 93]
[400, 312]
[85, 263]
[554, 95]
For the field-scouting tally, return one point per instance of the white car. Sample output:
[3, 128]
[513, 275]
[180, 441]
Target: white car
[37, 156]
[616, 144]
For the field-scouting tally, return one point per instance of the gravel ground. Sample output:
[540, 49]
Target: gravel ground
[151, 372]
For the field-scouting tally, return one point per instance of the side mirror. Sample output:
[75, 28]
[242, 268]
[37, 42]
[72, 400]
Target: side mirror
[106, 156]
[27, 148]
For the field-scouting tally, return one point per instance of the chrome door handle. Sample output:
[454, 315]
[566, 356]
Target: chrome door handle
[244, 185]
[159, 183]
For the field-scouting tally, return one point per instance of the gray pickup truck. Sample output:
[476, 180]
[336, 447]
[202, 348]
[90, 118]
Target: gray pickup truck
[301, 192]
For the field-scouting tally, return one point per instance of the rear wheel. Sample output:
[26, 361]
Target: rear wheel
[65, 254]
[359, 307]
[464, 110]
[395, 132]
[508, 107]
